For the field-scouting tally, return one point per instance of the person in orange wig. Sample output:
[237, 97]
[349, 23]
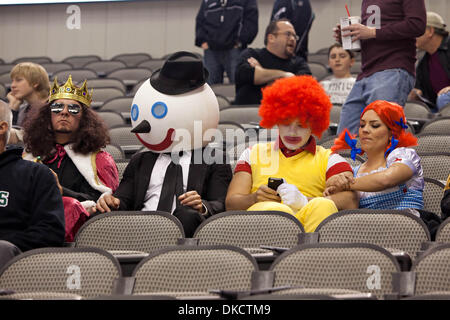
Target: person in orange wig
[300, 108]
[392, 176]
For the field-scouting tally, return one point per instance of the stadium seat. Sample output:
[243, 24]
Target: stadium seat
[432, 143]
[121, 165]
[431, 270]
[79, 61]
[432, 195]
[127, 140]
[130, 76]
[105, 66]
[3, 92]
[106, 83]
[6, 68]
[60, 272]
[193, 271]
[121, 105]
[152, 64]
[115, 151]
[443, 233]
[244, 114]
[336, 268]
[318, 70]
[439, 125]
[223, 101]
[38, 60]
[101, 95]
[224, 89]
[5, 79]
[250, 230]
[132, 59]
[436, 165]
[78, 75]
[112, 118]
[417, 110]
[130, 235]
[53, 67]
[445, 111]
[395, 230]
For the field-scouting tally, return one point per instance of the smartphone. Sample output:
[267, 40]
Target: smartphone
[274, 183]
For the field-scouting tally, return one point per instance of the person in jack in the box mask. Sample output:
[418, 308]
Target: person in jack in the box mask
[173, 175]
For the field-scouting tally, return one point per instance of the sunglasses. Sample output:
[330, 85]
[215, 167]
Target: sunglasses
[59, 107]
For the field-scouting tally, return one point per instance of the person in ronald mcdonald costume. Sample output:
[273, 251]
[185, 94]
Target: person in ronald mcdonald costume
[300, 108]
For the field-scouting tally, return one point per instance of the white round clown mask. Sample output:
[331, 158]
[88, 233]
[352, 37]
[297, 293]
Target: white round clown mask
[176, 122]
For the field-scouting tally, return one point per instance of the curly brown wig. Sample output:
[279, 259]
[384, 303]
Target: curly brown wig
[39, 138]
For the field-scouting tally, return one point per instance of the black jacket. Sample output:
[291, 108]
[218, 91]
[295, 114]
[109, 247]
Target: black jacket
[226, 23]
[423, 73]
[31, 207]
[209, 180]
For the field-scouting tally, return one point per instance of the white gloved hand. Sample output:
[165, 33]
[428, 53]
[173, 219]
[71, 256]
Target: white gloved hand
[291, 196]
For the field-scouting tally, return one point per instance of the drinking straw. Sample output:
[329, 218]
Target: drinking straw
[348, 12]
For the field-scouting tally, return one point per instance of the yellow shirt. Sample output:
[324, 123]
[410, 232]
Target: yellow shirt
[305, 170]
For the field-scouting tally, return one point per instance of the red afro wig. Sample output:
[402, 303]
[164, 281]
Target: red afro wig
[393, 117]
[299, 98]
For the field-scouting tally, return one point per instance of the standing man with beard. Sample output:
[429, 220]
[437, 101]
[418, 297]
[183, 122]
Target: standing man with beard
[260, 67]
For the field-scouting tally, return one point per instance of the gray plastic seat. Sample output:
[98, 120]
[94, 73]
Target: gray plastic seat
[432, 195]
[192, 271]
[396, 230]
[53, 67]
[240, 114]
[417, 110]
[115, 151]
[105, 66]
[443, 232]
[38, 60]
[132, 59]
[130, 76]
[250, 229]
[432, 143]
[432, 274]
[144, 231]
[123, 137]
[364, 268]
[2, 91]
[225, 89]
[52, 272]
[439, 125]
[80, 61]
[101, 95]
[436, 165]
[106, 83]
[78, 75]
[318, 70]
[152, 64]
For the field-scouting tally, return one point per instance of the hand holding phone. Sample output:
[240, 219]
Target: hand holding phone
[274, 183]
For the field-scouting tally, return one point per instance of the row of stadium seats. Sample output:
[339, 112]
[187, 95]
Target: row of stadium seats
[358, 254]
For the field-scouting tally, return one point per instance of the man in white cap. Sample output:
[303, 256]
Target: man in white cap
[433, 70]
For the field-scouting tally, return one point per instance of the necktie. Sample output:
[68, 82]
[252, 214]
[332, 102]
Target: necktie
[172, 186]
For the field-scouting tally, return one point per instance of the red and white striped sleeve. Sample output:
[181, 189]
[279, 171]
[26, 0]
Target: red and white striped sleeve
[243, 164]
[337, 164]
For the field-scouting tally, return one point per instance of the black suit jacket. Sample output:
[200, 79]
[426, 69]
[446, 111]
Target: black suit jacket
[209, 180]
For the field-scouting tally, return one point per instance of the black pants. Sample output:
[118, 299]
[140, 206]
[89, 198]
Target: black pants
[189, 218]
[432, 221]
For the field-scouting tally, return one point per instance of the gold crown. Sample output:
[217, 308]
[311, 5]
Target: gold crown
[70, 91]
